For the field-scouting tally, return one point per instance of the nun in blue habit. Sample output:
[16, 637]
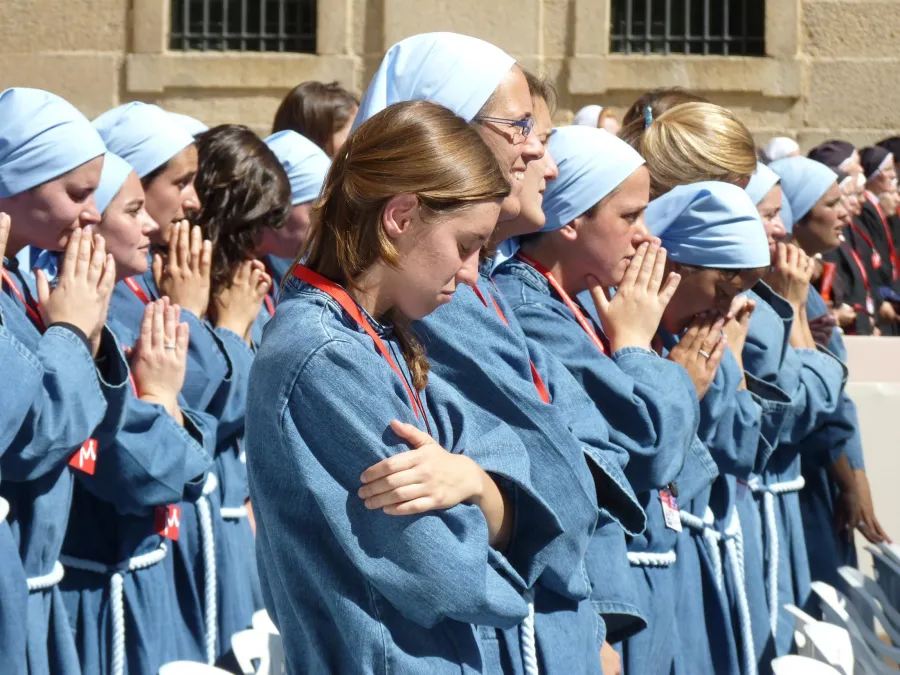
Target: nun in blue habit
[306, 166]
[649, 403]
[804, 183]
[476, 346]
[216, 383]
[119, 596]
[814, 380]
[17, 365]
[715, 230]
[81, 398]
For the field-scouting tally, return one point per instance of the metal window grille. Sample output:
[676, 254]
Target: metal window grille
[243, 25]
[704, 27]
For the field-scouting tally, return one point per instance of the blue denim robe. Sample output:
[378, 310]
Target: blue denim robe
[652, 410]
[157, 463]
[813, 380]
[489, 362]
[22, 376]
[80, 399]
[358, 590]
[731, 422]
[216, 383]
[839, 435]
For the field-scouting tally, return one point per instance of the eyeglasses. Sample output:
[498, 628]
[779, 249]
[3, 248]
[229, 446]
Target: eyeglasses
[525, 126]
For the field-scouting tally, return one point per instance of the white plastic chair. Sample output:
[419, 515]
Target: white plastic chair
[829, 644]
[892, 550]
[868, 650]
[190, 668]
[822, 641]
[887, 573]
[249, 646]
[865, 591]
[801, 665]
[262, 621]
[276, 655]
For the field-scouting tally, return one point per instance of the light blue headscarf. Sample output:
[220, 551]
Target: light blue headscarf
[42, 137]
[803, 182]
[710, 224]
[786, 215]
[115, 171]
[457, 71]
[304, 162]
[761, 182]
[143, 135]
[190, 124]
[592, 163]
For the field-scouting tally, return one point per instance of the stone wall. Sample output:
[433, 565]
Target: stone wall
[830, 70]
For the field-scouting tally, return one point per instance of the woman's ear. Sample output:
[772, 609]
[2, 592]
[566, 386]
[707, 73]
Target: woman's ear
[570, 231]
[399, 214]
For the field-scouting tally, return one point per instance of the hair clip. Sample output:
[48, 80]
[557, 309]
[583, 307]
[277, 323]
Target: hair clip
[648, 116]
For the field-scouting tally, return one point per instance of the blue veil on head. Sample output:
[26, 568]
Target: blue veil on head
[457, 71]
[42, 137]
[710, 224]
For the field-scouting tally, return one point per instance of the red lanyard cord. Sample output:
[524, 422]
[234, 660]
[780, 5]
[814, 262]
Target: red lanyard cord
[137, 290]
[349, 305]
[30, 307]
[895, 258]
[539, 385]
[573, 307]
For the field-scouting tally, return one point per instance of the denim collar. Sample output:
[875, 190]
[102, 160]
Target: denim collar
[294, 286]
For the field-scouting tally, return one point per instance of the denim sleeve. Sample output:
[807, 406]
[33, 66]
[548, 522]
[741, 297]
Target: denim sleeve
[21, 375]
[67, 409]
[731, 420]
[462, 427]
[820, 385]
[207, 367]
[431, 566]
[648, 403]
[114, 378]
[606, 459]
[487, 362]
[614, 592]
[849, 443]
[152, 460]
[229, 404]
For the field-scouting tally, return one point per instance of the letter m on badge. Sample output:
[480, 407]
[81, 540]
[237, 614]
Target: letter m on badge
[167, 521]
[85, 458]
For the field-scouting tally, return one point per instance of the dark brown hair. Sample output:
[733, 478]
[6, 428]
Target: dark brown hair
[316, 110]
[243, 190]
[415, 147]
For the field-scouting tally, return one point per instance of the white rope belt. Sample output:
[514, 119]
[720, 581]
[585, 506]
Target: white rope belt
[208, 543]
[647, 559]
[527, 638]
[233, 512]
[768, 493]
[4, 509]
[734, 549]
[46, 581]
[117, 593]
[733, 539]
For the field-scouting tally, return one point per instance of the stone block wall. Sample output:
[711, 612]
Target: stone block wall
[830, 71]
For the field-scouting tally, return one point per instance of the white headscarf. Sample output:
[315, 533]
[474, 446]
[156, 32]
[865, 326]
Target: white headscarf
[781, 147]
[588, 116]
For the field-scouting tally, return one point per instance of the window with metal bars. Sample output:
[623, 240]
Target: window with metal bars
[703, 27]
[243, 25]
